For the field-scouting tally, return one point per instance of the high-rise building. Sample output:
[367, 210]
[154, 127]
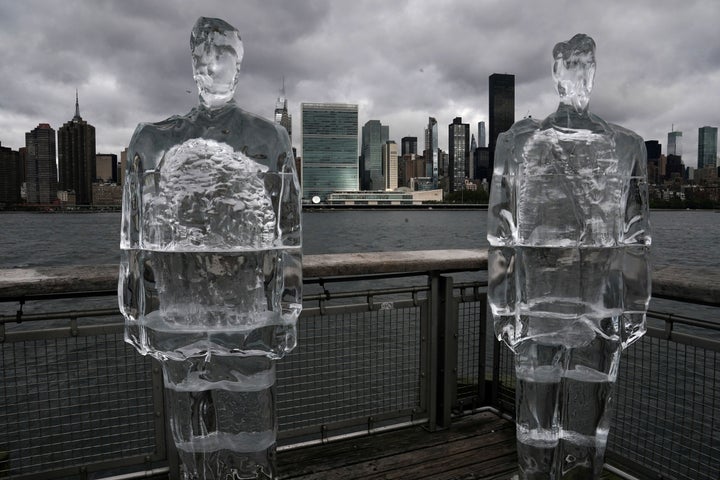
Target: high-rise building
[282, 117]
[501, 109]
[408, 145]
[106, 168]
[473, 156]
[390, 165]
[330, 149]
[76, 157]
[481, 135]
[459, 151]
[41, 172]
[674, 144]
[122, 166]
[654, 152]
[374, 136]
[432, 151]
[11, 173]
[707, 146]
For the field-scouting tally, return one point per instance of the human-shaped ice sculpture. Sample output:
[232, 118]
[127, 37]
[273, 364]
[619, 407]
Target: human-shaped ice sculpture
[569, 278]
[210, 276]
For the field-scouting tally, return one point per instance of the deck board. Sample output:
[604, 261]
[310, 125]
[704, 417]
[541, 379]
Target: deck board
[479, 446]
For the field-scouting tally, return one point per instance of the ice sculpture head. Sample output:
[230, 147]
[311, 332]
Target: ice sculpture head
[574, 70]
[217, 52]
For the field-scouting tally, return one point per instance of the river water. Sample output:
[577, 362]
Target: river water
[32, 239]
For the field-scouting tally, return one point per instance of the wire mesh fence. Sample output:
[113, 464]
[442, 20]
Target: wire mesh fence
[668, 409]
[667, 403]
[70, 400]
[353, 365]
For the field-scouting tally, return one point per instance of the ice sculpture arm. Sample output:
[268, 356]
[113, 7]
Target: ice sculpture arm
[637, 272]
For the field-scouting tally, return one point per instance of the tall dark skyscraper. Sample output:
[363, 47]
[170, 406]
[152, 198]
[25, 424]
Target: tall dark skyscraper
[40, 169]
[374, 136]
[282, 117]
[76, 157]
[432, 151]
[502, 109]
[11, 172]
[409, 145]
[707, 147]
[459, 150]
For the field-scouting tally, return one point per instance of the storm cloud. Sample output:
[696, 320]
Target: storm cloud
[401, 61]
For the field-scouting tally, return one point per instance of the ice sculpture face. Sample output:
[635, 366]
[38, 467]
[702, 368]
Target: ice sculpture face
[574, 71]
[217, 52]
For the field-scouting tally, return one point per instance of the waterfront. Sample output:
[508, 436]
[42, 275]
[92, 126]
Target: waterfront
[30, 240]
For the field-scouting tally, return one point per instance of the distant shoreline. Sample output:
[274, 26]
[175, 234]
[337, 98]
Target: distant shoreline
[312, 208]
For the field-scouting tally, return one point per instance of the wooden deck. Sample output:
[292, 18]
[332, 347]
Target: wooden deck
[480, 446]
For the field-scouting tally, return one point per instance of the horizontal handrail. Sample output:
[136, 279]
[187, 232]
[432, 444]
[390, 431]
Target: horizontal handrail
[699, 285]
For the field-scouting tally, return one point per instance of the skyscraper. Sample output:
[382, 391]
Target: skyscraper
[282, 117]
[502, 109]
[473, 158]
[674, 144]
[707, 146]
[330, 148]
[459, 150]
[390, 165]
[40, 169]
[374, 136]
[409, 145]
[10, 175]
[76, 157]
[481, 135]
[432, 152]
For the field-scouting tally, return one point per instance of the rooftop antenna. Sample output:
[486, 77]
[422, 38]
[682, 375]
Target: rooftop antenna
[77, 105]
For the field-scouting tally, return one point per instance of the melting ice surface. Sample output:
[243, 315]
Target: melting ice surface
[205, 196]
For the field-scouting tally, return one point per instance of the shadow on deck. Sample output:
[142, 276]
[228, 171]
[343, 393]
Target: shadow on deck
[480, 446]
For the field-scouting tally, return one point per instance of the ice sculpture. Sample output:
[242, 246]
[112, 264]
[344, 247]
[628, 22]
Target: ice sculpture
[210, 275]
[569, 278]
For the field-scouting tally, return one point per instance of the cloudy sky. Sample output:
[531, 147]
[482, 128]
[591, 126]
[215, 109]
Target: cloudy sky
[399, 60]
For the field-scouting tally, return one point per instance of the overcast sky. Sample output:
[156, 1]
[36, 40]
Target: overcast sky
[399, 60]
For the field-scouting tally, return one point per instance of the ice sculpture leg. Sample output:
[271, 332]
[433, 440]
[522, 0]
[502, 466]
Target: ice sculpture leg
[563, 406]
[223, 416]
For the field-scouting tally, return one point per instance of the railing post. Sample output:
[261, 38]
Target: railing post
[443, 351]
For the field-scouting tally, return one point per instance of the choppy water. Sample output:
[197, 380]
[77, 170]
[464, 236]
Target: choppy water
[31, 239]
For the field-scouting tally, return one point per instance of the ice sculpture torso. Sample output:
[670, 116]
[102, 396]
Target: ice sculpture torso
[569, 223]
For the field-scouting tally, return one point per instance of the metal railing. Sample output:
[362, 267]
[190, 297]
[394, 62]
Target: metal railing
[385, 340]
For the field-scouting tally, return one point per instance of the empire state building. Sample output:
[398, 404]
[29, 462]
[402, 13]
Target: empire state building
[76, 157]
[282, 116]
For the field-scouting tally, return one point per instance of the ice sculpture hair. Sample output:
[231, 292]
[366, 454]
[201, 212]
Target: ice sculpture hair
[574, 70]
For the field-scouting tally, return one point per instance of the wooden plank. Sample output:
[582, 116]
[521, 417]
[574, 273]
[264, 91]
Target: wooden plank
[322, 458]
[477, 447]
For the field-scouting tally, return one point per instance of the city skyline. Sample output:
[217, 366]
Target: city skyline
[394, 60]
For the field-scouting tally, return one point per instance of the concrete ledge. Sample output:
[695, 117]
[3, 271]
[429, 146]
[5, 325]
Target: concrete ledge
[701, 284]
[18, 282]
